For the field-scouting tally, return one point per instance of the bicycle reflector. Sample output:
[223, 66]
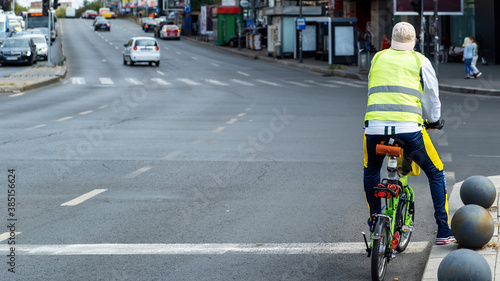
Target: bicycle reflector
[384, 190]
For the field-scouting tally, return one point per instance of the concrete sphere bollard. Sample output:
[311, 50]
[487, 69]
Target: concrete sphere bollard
[464, 264]
[478, 190]
[472, 226]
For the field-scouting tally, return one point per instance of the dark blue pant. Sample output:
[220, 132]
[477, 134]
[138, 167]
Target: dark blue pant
[468, 67]
[421, 150]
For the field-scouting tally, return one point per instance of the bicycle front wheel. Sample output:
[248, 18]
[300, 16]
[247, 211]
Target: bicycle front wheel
[401, 219]
[379, 258]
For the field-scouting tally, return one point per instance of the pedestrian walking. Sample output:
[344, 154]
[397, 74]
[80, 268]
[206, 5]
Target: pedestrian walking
[475, 55]
[446, 48]
[368, 41]
[467, 58]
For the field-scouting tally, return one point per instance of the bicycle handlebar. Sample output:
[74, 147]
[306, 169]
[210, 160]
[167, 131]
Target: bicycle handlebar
[438, 125]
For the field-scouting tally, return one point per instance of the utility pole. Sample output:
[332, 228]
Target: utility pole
[300, 34]
[436, 38]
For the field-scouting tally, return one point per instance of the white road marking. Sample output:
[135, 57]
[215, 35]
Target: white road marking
[450, 176]
[232, 121]
[268, 83]
[117, 48]
[106, 81]
[83, 197]
[103, 106]
[187, 81]
[244, 83]
[166, 48]
[218, 130]
[159, 72]
[299, 84]
[86, 112]
[348, 84]
[216, 82]
[6, 235]
[195, 58]
[248, 109]
[77, 80]
[202, 249]
[64, 118]
[173, 154]
[445, 157]
[133, 81]
[214, 64]
[243, 73]
[161, 81]
[242, 114]
[485, 156]
[322, 84]
[36, 127]
[138, 172]
[16, 95]
[198, 141]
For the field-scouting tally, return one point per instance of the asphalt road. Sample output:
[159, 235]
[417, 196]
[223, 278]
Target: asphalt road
[209, 167]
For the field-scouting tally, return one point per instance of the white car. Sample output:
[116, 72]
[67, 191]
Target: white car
[142, 49]
[41, 44]
[170, 31]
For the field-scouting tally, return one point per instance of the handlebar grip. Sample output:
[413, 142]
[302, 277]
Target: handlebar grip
[438, 125]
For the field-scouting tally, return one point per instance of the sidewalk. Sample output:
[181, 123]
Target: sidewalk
[489, 252]
[31, 78]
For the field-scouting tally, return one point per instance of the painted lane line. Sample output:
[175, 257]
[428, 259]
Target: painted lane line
[244, 83]
[194, 58]
[117, 48]
[160, 81]
[485, 156]
[77, 80]
[232, 121]
[450, 176]
[268, 83]
[159, 72]
[322, 84]
[242, 114]
[64, 118]
[106, 81]
[216, 83]
[36, 127]
[83, 197]
[218, 130]
[214, 64]
[198, 141]
[179, 53]
[202, 249]
[348, 84]
[166, 48]
[133, 81]
[138, 172]
[172, 155]
[243, 73]
[6, 235]
[188, 81]
[103, 106]
[86, 112]
[446, 157]
[299, 84]
[16, 95]
[248, 109]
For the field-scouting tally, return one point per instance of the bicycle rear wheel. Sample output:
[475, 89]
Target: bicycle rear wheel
[379, 258]
[401, 219]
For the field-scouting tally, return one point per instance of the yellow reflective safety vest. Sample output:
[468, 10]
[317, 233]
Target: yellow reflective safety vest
[395, 89]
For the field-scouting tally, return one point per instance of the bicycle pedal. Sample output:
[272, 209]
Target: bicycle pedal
[407, 228]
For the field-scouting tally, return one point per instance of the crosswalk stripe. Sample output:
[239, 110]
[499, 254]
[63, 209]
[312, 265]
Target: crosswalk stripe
[77, 80]
[106, 81]
[188, 81]
[299, 84]
[244, 83]
[133, 81]
[215, 82]
[348, 84]
[161, 81]
[268, 83]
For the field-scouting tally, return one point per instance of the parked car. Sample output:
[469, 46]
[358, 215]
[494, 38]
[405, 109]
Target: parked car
[18, 50]
[102, 24]
[141, 49]
[170, 31]
[89, 14]
[40, 43]
[150, 25]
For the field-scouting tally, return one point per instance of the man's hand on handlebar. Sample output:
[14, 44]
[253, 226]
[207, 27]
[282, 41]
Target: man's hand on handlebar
[438, 125]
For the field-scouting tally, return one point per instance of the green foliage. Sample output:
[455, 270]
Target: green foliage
[18, 9]
[96, 5]
[61, 13]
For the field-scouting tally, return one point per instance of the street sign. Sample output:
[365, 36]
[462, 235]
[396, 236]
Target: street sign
[187, 8]
[301, 23]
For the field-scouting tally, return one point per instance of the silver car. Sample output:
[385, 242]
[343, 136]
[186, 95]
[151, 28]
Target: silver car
[41, 44]
[142, 49]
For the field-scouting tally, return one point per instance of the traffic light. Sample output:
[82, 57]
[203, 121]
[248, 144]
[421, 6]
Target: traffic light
[45, 7]
[415, 4]
[56, 5]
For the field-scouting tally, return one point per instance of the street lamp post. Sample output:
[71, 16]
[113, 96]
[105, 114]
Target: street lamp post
[300, 34]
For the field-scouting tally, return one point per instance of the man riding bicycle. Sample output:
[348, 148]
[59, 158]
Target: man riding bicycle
[402, 91]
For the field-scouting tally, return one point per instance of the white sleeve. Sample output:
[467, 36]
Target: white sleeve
[431, 105]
